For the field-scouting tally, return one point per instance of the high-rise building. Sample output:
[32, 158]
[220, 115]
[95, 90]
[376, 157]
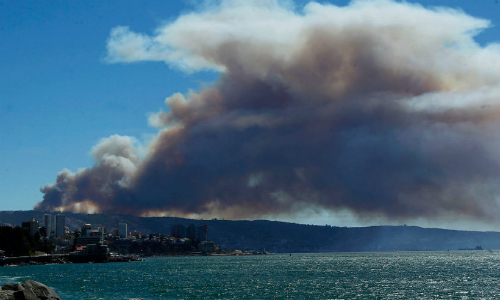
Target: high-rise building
[202, 233]
[31, 226]
[47, 223]
[179, 231]
[122, 230]
[191, 232]
[60, 225]
[89, 235]
[85, 228]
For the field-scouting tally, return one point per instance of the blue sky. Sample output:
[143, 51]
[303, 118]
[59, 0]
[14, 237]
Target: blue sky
[58, 96]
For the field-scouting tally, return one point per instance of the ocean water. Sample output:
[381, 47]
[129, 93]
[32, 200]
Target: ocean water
[389, 275]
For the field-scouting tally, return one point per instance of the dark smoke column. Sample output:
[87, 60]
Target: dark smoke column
[333, 108]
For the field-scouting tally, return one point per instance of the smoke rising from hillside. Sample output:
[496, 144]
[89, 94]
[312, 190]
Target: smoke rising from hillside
[381, 108]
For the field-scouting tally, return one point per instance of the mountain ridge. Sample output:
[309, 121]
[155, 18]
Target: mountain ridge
[280, 237]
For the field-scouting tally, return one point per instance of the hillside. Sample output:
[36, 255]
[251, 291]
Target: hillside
[276, 236]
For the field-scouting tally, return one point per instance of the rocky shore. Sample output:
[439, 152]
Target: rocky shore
[29, 290]
[68, 259]
[63, 259]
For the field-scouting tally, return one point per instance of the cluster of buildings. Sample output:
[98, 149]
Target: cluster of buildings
[56, 228]
[59, 230]
[192, 232]
[91, 236]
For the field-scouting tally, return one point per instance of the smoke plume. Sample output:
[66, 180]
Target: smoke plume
[379, 107]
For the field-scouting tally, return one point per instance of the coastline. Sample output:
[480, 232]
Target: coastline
[63, 259]
[69, 258]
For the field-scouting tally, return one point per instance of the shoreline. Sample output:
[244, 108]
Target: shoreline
[68, 258]
[62, 259]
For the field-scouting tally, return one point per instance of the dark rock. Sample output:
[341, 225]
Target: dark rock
[29, 290]
[7, 295]
[25, 295]
[12, 287]
[40, 290]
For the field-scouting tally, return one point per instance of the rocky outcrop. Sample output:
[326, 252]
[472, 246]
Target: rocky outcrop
[29, 290]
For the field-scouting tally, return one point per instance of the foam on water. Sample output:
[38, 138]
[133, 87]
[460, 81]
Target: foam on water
[11, 279]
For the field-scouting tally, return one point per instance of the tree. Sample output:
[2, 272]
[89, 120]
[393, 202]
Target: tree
[76, 234]
[43, 231]
[15, 241]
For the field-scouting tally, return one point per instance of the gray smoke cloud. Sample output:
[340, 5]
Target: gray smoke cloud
[380, 108]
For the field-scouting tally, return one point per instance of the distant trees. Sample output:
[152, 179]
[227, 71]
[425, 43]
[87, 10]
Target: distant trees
[43, 231]
[76, 235]
[17, 242]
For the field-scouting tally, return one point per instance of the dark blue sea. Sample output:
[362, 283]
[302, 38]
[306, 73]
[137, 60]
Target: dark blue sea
[390, 275]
